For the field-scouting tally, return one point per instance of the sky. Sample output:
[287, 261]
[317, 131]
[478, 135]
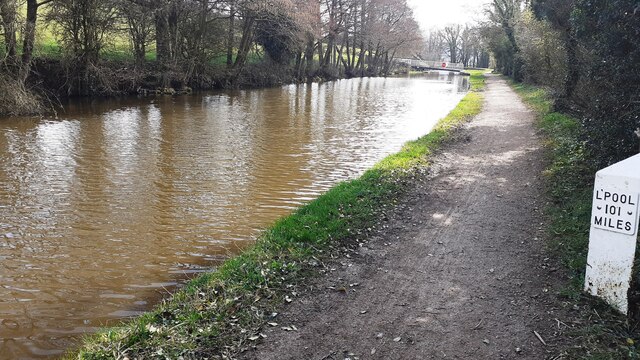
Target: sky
[438, 13]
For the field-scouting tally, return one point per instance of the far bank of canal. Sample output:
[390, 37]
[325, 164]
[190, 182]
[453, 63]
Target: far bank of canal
[105, 208]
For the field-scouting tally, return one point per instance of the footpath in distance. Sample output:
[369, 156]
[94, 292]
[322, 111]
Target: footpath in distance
[460, 271]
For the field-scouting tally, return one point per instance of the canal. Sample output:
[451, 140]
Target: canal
[108, 207]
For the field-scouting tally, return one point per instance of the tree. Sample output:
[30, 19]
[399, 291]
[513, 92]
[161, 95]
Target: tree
[82, 26]
[434, 46]
[19, 69]
[8, 15]
[139, 25]
[558, 14]
[451, 37]
[542, 50]
[505, 14]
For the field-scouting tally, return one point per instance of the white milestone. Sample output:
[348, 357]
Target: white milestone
[614, 232]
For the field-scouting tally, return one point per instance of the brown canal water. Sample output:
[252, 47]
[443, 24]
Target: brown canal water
[106, 209]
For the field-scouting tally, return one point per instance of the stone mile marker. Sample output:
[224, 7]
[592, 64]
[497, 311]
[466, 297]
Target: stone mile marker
[614, 232]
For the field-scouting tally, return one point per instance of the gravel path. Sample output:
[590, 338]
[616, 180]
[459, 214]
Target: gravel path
[459, 271]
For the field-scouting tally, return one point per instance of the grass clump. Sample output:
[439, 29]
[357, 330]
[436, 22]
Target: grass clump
[600, 333]
[220, 313]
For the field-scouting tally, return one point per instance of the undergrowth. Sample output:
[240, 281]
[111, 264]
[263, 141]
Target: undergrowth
[17, 99]
[220, 313]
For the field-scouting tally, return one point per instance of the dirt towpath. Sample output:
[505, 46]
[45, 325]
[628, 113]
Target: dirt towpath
[459, 271]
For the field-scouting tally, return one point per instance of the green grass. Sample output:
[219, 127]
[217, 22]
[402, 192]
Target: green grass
[601, 333]
[224, 310]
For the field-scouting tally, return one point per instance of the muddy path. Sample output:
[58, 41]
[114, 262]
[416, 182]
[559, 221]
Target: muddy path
[459, 270]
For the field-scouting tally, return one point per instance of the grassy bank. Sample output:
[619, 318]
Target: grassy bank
[222, 312]
[597, 332]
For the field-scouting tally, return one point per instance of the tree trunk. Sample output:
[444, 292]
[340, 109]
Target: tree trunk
[348, 63]
[8, 15]
[232, 21]
[320, 53]
[29, 38]
[360, 63]
[338, 55]
[388, 61]
[245, 42]
[454, 53]
[328, 55]
[162, 37]
[173, 21]
[308, 56]
[298, 66]
[516, 62]
[573, 71]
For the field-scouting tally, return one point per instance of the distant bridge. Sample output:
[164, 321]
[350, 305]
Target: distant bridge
[431, 65]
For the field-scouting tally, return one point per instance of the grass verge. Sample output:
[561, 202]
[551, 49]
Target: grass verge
[222, 312]
[569, 183]
[598, 332]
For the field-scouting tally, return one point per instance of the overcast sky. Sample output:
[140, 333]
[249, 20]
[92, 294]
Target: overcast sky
[437, 13]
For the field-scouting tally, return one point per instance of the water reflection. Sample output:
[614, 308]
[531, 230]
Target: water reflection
[105, 209]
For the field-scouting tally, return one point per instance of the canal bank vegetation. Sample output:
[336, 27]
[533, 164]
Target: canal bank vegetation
[599, 331]
[93, 47]
[221, 313]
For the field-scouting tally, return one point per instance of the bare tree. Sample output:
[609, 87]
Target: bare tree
[139, 25]
[451, 37]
